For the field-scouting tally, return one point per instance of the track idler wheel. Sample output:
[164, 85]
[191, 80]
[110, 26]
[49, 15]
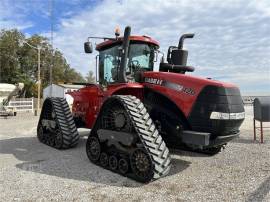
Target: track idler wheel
[141, 165]
[93, 149]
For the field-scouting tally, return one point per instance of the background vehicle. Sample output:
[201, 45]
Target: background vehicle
[133, 110]
[7, 92]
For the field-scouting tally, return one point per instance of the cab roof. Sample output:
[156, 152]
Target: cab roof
[140, 39]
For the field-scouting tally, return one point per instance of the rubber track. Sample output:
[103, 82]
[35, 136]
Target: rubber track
[148, 134]
[65, 122]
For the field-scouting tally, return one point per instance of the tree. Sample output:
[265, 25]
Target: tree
[90, 78]
[18, 62]
[9, 59]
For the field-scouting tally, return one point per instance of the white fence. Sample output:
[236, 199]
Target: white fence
[21, 104]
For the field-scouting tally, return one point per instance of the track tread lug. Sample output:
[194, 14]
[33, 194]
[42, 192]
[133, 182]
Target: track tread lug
[65, 122]
[149, 135]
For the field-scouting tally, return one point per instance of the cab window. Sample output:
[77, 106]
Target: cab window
[140, 58]
[109, 61]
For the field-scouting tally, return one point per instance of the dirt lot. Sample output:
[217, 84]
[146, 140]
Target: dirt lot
[31, 171]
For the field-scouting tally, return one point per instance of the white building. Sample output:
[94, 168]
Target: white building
[60, 90]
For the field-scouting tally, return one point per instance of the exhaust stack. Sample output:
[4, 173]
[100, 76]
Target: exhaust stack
[176, 55]
[124, 55]
[182, 38]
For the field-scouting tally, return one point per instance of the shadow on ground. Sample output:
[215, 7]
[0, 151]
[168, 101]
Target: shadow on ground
[69, 164]
[244, 140]
[261, 192]
[248, 141]
[188, 153]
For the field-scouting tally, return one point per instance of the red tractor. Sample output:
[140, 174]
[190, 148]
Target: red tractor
[135, 113]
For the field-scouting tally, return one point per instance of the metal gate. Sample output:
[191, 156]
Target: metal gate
[21, 104]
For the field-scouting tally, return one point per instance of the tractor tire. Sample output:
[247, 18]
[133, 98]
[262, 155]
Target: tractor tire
[56, 126]
[147, 157]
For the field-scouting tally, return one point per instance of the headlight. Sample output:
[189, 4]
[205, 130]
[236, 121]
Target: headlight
[227, 116]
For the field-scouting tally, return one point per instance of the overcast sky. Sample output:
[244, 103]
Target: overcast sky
[232, 37]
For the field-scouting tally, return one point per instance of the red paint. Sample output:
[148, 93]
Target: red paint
[182, 100]
[144, 39]
[88, 100]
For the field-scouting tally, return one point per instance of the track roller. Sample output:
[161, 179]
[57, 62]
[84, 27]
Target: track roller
[125, 140]
[123, 166]
[113, 162]
[56, 126]
[104, 159]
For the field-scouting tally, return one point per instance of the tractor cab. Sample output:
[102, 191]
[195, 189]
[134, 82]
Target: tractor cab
[140, 57]
[123, 59]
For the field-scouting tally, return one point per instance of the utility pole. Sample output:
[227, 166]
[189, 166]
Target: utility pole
[51, 66]
[39, 81]
[38, 48]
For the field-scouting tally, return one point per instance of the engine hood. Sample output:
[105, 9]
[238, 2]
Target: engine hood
[184, 89]
[184, 78]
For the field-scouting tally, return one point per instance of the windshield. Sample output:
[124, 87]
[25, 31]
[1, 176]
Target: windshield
[140, 58]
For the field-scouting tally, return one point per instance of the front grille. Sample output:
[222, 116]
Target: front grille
[218, 99]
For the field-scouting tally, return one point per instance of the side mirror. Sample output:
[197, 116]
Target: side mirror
[88, 48]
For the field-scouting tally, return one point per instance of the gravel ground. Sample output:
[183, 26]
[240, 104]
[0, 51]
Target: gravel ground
[31, 171]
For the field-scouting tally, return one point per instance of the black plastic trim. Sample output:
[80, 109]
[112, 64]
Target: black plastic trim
[218, 99]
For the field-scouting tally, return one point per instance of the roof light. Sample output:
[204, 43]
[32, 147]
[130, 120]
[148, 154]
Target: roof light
[117, 31]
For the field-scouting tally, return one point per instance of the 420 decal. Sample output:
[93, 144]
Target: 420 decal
[167, 84]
